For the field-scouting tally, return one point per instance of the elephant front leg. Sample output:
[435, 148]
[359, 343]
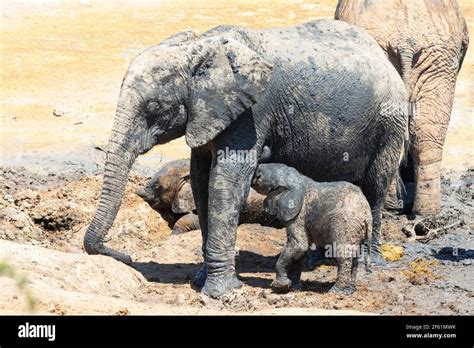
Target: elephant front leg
[200, 168]
[294, 273]
[290, 262]
[229, 186]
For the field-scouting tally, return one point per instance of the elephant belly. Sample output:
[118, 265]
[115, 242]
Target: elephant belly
[325, 163]
[327, 132]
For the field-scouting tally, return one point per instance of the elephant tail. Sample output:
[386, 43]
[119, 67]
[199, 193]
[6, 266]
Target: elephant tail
[367, 244]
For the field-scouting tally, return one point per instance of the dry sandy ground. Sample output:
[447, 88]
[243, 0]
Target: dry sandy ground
[68, 58]
[61, 68]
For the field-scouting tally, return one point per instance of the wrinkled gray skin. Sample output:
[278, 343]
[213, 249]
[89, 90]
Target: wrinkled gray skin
[169, 193]
[426, 41]
[334, 214]
[322, 96]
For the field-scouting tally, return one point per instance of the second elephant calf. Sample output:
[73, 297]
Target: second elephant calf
[333, 215]
[169, 193]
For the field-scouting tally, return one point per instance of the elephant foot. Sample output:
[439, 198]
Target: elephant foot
[104, 250]
[200, 277]
[428, 197]
[282, 284]
[425, 208]
[216, 286]
[296, 286]
[340, 290]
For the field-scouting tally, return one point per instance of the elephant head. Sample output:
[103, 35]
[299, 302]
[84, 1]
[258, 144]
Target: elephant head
[285, 188]
[169, 191]
[184, 86]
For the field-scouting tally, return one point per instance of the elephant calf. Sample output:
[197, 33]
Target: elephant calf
[169, 193]
[334, 215]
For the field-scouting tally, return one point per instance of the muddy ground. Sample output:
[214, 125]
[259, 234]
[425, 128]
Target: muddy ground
[44, 217]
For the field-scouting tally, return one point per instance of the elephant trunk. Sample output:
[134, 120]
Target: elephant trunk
[123, 149]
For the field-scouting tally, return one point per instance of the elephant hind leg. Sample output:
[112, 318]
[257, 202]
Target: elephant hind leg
[200, 169]
[433, 111]
[394, 198]
[375, 185]
[355, 264]
[344, 284]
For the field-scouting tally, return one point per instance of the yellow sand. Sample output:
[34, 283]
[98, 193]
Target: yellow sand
[70, 56]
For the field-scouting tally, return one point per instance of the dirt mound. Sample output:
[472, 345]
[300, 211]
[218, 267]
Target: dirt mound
[54, 211]
[56, 278]
[66, 283]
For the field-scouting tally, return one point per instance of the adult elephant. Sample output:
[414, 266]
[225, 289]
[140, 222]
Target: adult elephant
[426, 41]
[321, 96]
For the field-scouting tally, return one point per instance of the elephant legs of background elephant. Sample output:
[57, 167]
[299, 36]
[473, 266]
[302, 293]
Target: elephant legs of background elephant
[432, 112]
[375, 186]
[200, 168]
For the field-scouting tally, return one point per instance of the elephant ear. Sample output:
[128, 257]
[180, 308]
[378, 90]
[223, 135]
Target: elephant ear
[228, 78]
[285, 203]
[183, 202]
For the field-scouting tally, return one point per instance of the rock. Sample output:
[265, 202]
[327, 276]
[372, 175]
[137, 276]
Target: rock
[11, 214]
[181, 299]
[123, 311]
[400, 298]
[392, 252]
[58, 112]
[9, 198]
[139, 225]
[203, 299]
[467, 262]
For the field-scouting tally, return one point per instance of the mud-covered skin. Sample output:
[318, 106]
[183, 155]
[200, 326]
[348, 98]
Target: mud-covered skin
[332, 215]
[322, 96]
[169, 193]
[169, 190]
[186, 223]
[426, 41]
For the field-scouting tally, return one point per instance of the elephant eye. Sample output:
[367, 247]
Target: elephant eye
[153, 107]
